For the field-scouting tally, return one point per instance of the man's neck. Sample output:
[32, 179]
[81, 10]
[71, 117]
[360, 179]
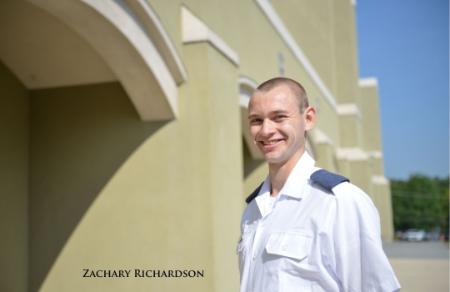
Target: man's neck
[279, 173]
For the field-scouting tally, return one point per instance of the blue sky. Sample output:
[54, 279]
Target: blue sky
[405, 44]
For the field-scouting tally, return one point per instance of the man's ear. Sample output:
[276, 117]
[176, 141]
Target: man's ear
[310, 117]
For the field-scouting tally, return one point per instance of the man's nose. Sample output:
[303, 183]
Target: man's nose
[267, 127]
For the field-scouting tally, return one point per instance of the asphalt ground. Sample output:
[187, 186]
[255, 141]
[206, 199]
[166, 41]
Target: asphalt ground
[420, 266]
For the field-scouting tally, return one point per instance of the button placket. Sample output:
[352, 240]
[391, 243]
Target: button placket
[266, 209]
[258, 231]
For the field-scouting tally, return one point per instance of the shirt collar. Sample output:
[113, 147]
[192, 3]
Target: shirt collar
[297, 179]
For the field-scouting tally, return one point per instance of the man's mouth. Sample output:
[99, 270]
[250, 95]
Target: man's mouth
[270, 144]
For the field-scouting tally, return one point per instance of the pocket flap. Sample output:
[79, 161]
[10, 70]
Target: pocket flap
[294, 245]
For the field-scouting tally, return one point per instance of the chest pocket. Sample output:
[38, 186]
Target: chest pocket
[287, 256]
[291, 244]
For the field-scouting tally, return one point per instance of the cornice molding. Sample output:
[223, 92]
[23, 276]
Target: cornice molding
[194, 30]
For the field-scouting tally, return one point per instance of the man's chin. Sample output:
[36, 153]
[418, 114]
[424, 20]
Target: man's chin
[273, 159]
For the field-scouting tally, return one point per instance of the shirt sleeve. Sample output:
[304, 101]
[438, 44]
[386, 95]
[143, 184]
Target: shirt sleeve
[360, 262]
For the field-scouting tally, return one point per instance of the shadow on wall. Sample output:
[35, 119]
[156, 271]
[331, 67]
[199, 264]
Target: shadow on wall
[80, 136]
[250, 164]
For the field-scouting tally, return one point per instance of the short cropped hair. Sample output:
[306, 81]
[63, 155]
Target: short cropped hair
[297, 89]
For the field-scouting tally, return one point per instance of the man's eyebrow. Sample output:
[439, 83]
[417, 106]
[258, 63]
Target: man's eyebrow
[275, 112]
[278, 112]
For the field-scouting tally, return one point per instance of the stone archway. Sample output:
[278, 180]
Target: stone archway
[127, 39]
[75, 73]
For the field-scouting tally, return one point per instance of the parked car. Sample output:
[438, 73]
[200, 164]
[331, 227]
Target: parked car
[414, 235]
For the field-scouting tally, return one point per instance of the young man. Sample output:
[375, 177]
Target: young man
[305, 229]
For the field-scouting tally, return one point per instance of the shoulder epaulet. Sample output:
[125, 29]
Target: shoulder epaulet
[254, 194]
[326, 179]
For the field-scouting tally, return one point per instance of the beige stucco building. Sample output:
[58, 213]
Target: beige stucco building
[124, 142]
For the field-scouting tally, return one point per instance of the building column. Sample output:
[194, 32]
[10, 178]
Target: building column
[213, 77]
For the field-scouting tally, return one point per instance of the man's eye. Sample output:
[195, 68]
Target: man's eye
[255, 121]
[280, 118]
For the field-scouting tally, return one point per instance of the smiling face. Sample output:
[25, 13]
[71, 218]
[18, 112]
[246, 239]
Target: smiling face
[277, 126]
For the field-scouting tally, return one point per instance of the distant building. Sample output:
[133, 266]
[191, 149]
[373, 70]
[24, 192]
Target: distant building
[124, 142]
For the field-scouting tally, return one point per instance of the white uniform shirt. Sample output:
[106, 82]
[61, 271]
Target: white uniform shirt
[311, 240]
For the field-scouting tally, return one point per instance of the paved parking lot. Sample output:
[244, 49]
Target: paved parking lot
[420, 266]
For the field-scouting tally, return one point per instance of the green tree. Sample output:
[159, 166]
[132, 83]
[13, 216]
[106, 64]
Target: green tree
[420, 202]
